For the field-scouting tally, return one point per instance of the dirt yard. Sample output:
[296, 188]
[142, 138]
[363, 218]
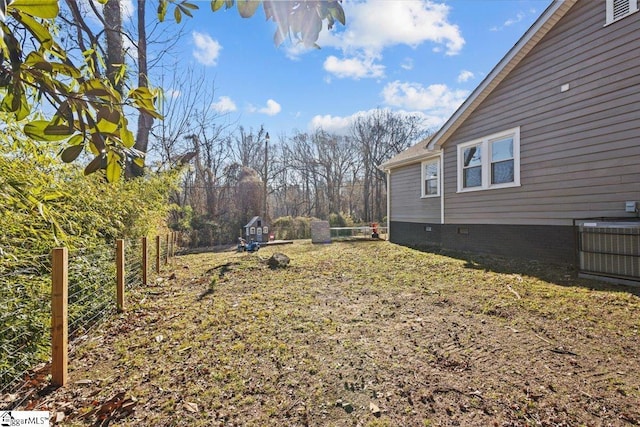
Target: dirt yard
[359, 334]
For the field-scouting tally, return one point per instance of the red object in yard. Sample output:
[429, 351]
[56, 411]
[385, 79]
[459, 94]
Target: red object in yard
[272, 237]
[374, 230]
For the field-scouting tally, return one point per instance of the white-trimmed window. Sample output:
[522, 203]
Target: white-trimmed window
[618, 9]
[431, 178]
[490, 162]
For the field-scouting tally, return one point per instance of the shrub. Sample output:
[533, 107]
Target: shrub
[290, 228]
[45, 204]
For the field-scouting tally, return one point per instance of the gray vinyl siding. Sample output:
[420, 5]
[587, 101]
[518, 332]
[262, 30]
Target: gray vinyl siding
[407, 205]
[579, 149]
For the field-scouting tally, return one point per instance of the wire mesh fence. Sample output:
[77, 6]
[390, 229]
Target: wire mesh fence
[25, 298]
[92, 276]
[133, 267]
[24, 316]
[164, 250]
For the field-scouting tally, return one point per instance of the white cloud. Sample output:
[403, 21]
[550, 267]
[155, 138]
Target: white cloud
[437, 98]
[293, 51]
[127, 8]
[332, 124]
[375, 25]
[172, 93]
[520, 16]
[224, 105]
[271, 109]
[407, 64]
[207, 49]
[465, 76]
[342, 125]
[356, 68]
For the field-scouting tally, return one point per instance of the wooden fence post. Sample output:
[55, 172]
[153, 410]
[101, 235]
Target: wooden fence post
[145, 261]
[157, 254]
[120, 275]
[166, 255]
[59, 317]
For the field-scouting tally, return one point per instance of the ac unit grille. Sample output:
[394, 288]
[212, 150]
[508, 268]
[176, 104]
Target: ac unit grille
[611, 249]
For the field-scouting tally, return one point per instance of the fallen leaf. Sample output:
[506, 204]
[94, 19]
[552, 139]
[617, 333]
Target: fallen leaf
[191, 407]
[374, 409]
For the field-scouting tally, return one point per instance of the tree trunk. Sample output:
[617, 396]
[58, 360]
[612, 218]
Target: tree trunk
[145, 121]
[115, 50]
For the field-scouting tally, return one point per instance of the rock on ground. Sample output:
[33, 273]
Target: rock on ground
[278, 260]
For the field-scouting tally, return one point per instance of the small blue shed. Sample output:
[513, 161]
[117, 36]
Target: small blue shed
[257, 230]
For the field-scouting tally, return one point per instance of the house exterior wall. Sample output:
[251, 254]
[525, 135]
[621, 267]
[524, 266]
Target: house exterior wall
[579, 149]
[416, 234]
[552, 243]
[407, 205]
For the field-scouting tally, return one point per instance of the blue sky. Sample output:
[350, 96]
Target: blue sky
[415, 56]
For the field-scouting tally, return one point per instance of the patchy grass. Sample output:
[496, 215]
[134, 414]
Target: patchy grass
[362, 334]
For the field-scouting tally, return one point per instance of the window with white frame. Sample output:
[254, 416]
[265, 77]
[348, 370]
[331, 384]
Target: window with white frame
[618, 9]
[490, 162]
[472, 166]
[431, 178]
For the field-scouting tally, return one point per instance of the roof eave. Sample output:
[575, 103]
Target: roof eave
[538, 30]
[409, 160]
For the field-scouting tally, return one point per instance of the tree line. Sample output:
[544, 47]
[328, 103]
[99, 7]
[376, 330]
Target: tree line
[236, 173]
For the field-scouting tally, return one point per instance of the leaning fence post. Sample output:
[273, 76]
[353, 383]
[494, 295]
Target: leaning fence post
[120, 274]
[157, 254]
[145, 261]
[59, 317]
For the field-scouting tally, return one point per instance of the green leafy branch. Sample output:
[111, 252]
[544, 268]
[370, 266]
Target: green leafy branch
[300, 20]
[89, 110]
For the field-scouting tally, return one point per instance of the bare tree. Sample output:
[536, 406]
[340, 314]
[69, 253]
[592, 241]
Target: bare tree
[248, 149]
[286, 188]
[380, 135]
[335, 157]
[303, 161]
[249, 194]
[183, 100]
